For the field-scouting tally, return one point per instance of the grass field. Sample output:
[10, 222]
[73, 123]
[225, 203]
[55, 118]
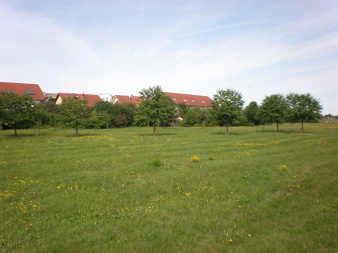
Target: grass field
[183, 190]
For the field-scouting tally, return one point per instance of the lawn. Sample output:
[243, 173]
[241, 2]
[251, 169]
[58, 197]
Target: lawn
[183, 190]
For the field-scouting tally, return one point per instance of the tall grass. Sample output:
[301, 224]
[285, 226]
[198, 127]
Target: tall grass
[184, 190]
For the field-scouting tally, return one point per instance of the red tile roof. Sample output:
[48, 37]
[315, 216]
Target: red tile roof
[24, 88]
[129, 99]
[92, 99]
[190, 100]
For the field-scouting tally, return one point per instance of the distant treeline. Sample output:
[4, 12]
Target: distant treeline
[157, 109]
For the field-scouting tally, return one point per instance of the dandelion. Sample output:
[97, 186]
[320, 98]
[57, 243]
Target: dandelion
[283, 167]
[194, 158]
[188, 194]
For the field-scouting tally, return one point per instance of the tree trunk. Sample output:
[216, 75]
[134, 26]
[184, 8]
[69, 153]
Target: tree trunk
[77, 131]
[302, 126]
[15, 131]
[154, 132]
[227, 133]
[277, 127]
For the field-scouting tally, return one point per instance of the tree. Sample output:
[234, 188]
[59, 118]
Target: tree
[115, 115]
[74, 112]
[47, 113]
[273, 109]
[106, 111]
[182, 110]
[195, 117]
[302, 108]
[251, 111]
[16, 111]
[226, 106]
[126, 113]
[155, 108]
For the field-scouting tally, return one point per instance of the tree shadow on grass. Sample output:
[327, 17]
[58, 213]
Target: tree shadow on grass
[80, 135]
[287, 132]
[157, 134]
[22, 135]
[230, 133]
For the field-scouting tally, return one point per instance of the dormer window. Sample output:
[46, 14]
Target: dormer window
[29, 92]
[193, 101]
[185, 100]
[203, 102]
[174, 99]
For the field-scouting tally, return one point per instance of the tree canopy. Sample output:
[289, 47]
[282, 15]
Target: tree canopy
[251, 111]
[155, 108]
[115, 115]
[227, 105]
[74, 112]
[302, 108]
[273, 109]
[195, 117]
[16, 111]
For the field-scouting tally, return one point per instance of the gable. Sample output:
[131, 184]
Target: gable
[190, 100]
[92, 99]
[127, 99]
[33, 90]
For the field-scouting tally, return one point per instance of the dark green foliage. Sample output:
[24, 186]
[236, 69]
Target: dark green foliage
[251, 111]
[115, 115]
[195, 117]
[74, 112]
[16, 111]
[302, 108]
[155, 109]
[182, 110]
[273, 109]
[47, 113]
[227, 106]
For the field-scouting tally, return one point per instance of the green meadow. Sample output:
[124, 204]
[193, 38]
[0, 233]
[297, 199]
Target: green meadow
[183, 190]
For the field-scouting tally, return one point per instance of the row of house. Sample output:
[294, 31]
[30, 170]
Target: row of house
[38, 95]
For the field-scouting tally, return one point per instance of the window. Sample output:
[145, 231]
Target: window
[193, 101]
[29, 92]
[9, 91]
[203, 102]
[185, 100]
[174, 99]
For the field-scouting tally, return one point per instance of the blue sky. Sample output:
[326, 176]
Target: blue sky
[257, 47]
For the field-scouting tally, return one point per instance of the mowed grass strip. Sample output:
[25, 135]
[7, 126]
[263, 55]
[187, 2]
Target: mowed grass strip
[183, 190]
